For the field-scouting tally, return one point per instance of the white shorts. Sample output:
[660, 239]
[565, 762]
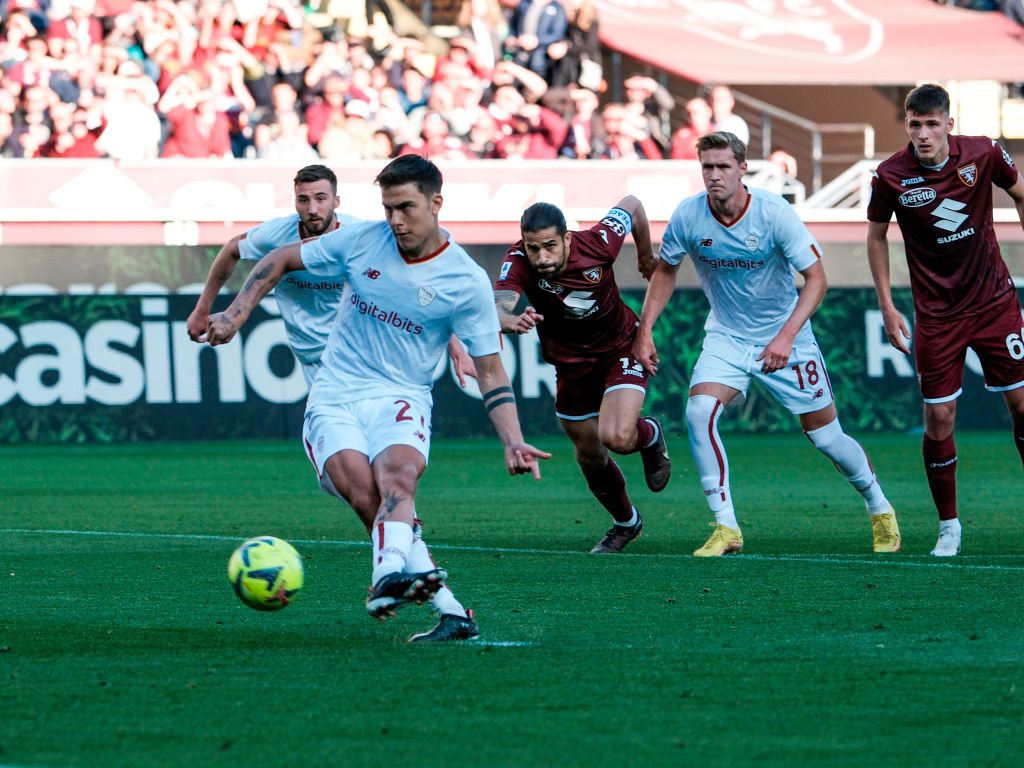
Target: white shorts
[369, 426]
[801, 387]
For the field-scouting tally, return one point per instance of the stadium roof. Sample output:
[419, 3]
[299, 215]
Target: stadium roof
[815, 42]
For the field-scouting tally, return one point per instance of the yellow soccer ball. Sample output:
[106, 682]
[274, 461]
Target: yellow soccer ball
[266, 573]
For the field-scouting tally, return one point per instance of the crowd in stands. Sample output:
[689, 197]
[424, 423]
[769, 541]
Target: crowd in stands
[140, 79]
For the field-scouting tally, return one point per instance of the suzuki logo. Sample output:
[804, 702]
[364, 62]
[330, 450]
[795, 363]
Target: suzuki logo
[949, 219]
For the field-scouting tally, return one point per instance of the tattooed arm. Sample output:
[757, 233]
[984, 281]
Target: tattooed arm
[264, 276]
[506, 301]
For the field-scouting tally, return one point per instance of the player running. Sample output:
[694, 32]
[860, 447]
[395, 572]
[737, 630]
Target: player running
[586, 332]
[745, 244]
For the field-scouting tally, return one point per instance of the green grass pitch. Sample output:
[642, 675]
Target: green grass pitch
[122, 644]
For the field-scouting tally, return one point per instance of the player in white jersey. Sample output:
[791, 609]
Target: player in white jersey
[408, 288]
[308, 304]
[745, 244]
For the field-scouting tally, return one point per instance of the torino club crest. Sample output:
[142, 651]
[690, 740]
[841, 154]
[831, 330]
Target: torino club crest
[836, 31]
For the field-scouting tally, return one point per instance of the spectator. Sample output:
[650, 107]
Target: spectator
[436, 142]
[627, 137]
[536, 24]
[384, 145]
[538, 133]
[466, 100]
[531, 85]
[289, 141]
[284, 62]
[133, 129]
[278, 16]
[36, 10]
[349, 140]
[391, 115]
[330, 104]
[35, 106]
[81, 25]
[585, 128]
[406, 53]
[74, 133]
[331, 58]
[37, 67]
[460, 62]
[484, 136]
[784, 161]
[196, 127]
[684, 140]
[361, 87]
[482, 22]
[576, 60]
[14, 31]
[358, 54]
[505, 102]
[650, 100]
[414, 89]
[441, 100]
[722, 104]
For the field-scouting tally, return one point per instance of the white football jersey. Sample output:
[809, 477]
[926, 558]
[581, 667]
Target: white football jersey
[746, 268]
[396, 318]
[307, 303]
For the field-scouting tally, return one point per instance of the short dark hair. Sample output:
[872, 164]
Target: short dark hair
[723, 140]
[411, 169]
[316, 173]
[540, 216]
[927, 99]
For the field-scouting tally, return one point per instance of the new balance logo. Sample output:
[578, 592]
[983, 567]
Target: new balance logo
[947, 214]
[371, 273]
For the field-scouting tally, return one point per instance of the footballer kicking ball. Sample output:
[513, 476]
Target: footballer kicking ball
[266, 573]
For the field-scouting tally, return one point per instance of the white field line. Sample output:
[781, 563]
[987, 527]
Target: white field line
[924, 561]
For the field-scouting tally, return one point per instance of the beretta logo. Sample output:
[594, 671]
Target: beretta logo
[915, 198]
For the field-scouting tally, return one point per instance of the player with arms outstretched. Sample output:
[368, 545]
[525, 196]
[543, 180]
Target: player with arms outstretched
[940, 189]
[746, 244]
[408, 288]
[586, 332]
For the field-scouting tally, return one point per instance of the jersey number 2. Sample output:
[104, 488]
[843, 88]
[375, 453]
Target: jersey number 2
[400, 416]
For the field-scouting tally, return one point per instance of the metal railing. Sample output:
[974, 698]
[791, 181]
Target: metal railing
[847, 143]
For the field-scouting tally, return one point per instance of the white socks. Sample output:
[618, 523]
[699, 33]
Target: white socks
[852, 463]
[420, 560]
[702, 413]
[391, 544]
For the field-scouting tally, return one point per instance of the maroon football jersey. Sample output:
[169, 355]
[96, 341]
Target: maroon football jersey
[584, 315]
[946, 220]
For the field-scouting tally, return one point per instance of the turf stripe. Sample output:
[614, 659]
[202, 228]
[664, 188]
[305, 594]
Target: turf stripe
[960, 561]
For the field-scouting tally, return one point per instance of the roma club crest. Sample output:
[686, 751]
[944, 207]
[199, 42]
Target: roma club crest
[426, 295]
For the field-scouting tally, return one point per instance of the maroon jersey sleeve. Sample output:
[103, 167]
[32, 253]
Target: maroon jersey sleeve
[585, 318]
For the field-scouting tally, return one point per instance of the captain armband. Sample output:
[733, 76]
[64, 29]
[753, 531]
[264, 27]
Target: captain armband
[498, 396]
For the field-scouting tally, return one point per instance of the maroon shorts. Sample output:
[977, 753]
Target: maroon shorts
[940, 349]
[582, 386]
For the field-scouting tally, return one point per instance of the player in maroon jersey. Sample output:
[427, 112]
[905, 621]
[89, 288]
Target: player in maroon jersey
[586, 332]
[940, 188]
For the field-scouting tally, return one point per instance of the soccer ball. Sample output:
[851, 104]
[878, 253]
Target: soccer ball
[266, 573]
